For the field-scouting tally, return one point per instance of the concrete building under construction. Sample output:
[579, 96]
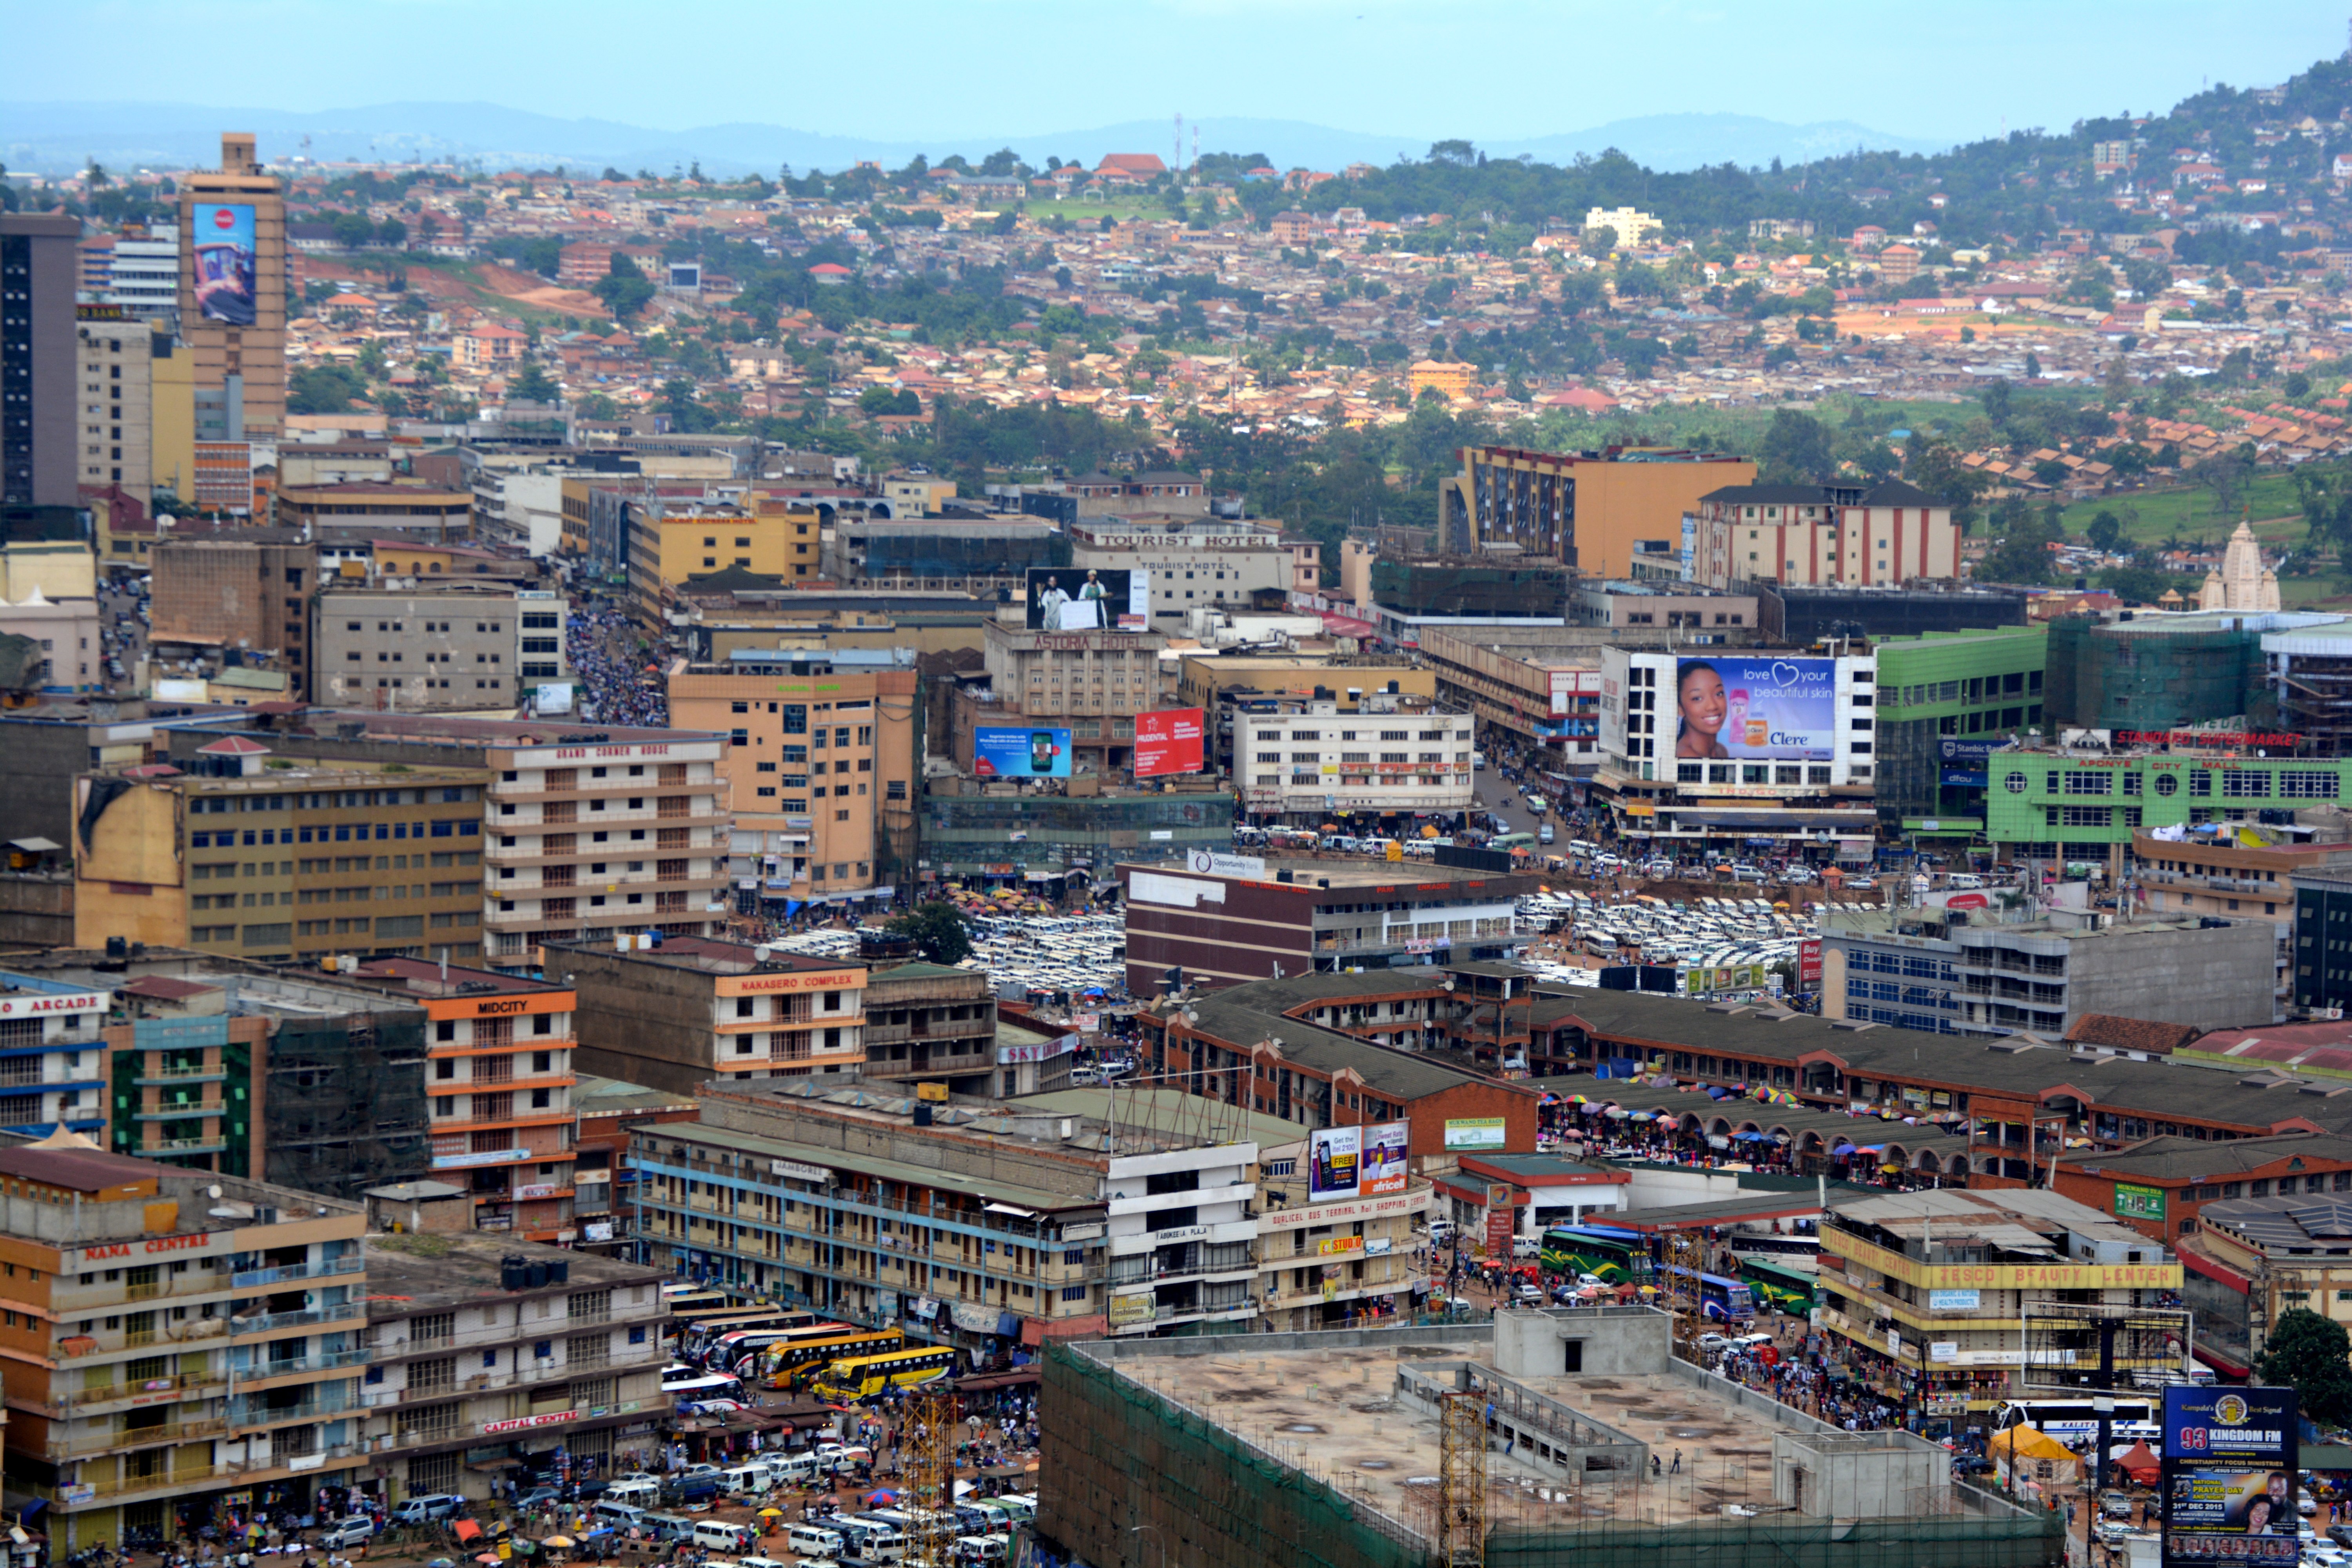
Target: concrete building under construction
[1525, 1442]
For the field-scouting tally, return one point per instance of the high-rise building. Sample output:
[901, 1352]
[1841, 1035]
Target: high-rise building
[823, 758]
[145, 276]
[233, 268]
[39, 265]
[114, 361]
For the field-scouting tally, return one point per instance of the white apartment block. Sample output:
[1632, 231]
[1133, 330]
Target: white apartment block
[1320, 759]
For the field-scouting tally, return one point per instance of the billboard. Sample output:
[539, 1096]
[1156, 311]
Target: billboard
[1088, 599]
[2229, 1476]
[1020, 754]
[1335, 1158]
[1756, 708]
[1168, 741]
[228, 270]
[1473, 1133]
[1383, 1163]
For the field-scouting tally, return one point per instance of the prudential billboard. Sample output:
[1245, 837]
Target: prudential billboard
[1760, 709]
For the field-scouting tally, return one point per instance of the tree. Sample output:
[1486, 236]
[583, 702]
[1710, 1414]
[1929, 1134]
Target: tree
[1599, 242]
[2105, 532]
[532, 384]
[322, 389]
[391, 232]
[2023, 553]
[544, 256]
[624, 288]
[938, 931]
[1797, 450]
[352, 230]
[2308, 1353]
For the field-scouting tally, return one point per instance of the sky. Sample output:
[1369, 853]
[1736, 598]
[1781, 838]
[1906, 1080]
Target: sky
[959, 68]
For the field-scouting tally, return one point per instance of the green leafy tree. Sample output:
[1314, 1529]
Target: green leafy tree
[938, 931]
[544, 256]
[1797, 450]
[624, 290]
[532, 384]
[322, 389]
[2105, 532]
[2022, 555]
[2309, 1354]
[1599, 242]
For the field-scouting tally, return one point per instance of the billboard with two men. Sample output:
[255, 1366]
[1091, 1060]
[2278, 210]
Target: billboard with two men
[1088, 599]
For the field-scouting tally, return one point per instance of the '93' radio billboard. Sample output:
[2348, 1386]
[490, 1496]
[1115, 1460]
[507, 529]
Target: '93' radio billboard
[2229, 1476]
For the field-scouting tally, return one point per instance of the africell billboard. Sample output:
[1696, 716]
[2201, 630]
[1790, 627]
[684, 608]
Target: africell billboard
[1756, 709]
[1168, 741]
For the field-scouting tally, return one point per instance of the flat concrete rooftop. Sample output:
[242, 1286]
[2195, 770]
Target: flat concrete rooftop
[1334, 1413]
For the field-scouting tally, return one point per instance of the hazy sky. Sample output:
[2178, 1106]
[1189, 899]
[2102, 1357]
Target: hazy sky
[919, 69]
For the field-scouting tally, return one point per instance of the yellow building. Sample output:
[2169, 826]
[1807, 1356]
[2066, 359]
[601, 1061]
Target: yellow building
[61, 566]
[916, 494]
[1208, 679]
[172, 397]
[267, 864]
[823, 763]
[1447, 378]
[1630, 225]
[770, 539]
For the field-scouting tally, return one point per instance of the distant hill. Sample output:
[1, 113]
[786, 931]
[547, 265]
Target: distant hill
[58, 137]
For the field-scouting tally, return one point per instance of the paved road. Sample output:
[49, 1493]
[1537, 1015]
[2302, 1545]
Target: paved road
[124, 632]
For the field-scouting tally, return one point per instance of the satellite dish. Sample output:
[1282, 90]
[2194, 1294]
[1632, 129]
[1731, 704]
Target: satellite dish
[214, 1190]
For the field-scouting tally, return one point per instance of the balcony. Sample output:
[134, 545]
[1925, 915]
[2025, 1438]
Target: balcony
[293, 1366]
[350, 1263]
[86, 1444]
[64, 1403]
[114, 1488]
[173, 1112]
[270, 1322]
[249, 1413]
[155, 1077]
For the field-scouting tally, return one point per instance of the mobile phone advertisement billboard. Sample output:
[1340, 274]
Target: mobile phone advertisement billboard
[1735, 706]
[226, 262]
[1039, 753]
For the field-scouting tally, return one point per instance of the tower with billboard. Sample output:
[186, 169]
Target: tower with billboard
[233, 286]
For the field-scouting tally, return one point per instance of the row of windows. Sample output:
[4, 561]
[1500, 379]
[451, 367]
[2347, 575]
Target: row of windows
[1752, 773]
[342, 832]
[226, 805]
[2237, 783]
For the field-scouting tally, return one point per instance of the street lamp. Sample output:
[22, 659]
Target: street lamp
[1161, 1546]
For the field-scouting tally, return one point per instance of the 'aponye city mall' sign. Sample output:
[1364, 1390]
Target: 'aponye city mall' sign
[2006, 1275]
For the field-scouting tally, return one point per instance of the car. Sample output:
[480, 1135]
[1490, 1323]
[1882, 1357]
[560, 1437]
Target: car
[346, 1533]
[421, 1510]
[2114, 1505]
[2113, 1532]
[1712, 1342]
[539, 1495]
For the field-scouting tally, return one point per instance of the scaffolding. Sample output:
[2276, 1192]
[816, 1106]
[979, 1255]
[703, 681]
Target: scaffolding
[930, 1473]
[345, 1101]
[1461, 1480]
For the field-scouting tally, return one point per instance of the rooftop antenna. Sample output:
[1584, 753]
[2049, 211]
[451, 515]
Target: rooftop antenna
[1176, 163]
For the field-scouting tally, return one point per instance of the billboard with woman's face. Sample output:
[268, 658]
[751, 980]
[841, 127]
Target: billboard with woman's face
[1755, 708]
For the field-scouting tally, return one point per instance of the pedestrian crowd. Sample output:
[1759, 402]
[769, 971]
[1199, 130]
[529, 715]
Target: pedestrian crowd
[611, 669]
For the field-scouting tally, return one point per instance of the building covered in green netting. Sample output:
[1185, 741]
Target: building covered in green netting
[2149, 670]
[1600, 1450]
